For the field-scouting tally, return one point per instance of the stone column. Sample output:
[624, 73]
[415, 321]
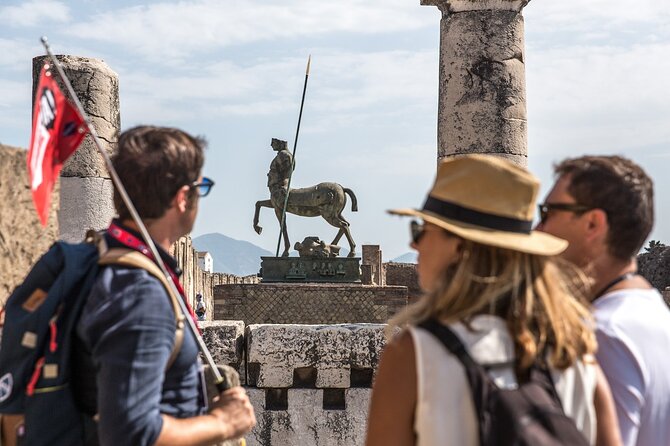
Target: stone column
[86, 188]
[482, 104]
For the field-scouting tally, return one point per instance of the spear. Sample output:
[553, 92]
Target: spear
[295, 145]
[221, 382]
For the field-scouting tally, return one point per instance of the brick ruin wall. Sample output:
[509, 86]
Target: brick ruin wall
[403, 274]
[307, 303]
[22, 238]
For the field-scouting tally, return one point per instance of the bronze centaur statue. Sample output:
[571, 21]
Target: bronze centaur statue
[325, 199]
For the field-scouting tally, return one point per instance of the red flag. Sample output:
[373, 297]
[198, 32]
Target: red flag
[57, 132]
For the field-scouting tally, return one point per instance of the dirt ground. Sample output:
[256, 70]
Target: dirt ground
[22, 237]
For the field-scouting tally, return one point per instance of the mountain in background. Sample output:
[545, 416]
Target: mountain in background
[243, 258]
[408, 257]
[231, 256]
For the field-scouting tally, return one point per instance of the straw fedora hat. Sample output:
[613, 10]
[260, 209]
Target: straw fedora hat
[489, 201]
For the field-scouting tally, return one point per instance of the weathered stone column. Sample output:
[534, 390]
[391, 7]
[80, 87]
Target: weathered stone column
[86, 188]
[482, 104]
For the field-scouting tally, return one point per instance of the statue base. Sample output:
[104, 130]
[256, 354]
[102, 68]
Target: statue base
[311, 269]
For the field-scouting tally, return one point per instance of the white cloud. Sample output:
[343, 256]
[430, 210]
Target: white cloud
[343, 88]
[33, 13]
[174, 30]
[596, 98]
[577, 15]
[17, 54]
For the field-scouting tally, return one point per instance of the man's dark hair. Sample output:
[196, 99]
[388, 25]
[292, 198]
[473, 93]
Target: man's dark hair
[619, 187]
[153, 163]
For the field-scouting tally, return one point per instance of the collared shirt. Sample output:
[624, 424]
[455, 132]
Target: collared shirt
[128, 326]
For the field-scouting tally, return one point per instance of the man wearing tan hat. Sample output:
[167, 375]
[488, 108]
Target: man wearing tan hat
[603, 206]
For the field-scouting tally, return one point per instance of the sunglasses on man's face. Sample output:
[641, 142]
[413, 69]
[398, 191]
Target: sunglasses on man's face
[203, 187]
[546, 208]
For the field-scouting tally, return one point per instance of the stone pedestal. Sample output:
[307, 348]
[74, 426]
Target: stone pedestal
[482, 103]
[86, 195]
[311, 269]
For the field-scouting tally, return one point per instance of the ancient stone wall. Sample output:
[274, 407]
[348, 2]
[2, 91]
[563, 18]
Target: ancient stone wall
[403, 274]
[22, 238]
[195, 280]
[307, 303]
[309, 384]
[654, 265]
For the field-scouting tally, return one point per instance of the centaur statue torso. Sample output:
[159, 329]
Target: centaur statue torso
[325, 199]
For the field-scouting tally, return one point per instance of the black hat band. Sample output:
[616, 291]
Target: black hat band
[457, 212]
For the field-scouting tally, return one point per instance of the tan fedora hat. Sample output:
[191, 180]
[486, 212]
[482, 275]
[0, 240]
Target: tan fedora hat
[489, 201]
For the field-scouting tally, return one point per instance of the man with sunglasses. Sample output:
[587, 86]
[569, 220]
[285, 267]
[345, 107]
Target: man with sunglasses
[603, 206]
[142, 393]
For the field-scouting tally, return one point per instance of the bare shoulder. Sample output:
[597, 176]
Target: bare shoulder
[394, 395]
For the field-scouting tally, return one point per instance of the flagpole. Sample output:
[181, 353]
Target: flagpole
[220, 380]
[295, 145]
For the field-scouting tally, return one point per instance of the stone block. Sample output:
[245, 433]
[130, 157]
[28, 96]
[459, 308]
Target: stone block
[281, 356]
[85, 203]
[225, 340]
[306, 422]
[454, 6]
[372, 256]
[97, 87]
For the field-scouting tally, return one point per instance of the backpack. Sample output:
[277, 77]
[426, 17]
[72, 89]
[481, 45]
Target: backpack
[531, 414]
[38, 339]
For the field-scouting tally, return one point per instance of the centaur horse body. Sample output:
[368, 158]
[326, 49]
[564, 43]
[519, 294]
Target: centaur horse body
[325, 199]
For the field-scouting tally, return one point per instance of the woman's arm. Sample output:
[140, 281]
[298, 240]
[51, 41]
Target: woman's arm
[394, 396]
[607, 425]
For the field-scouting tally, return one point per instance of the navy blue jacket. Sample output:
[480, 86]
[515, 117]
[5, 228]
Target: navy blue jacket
[128, 327]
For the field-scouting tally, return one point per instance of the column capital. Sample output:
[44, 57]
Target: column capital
[452, 6]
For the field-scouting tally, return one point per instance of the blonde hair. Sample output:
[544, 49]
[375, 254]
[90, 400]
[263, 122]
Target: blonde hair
[540, 297]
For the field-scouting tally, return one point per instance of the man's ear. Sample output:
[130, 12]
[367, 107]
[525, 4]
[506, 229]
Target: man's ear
[180, 200]
[597, 224]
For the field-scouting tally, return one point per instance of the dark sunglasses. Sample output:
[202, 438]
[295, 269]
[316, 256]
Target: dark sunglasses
[545, 208]
[416, 231]
[203, 187]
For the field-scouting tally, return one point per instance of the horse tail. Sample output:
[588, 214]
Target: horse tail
[354, 202]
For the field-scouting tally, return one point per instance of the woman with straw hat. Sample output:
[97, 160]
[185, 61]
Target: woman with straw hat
[496, 285]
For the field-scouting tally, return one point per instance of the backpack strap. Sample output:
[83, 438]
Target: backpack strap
[476, 373]
[134, 259]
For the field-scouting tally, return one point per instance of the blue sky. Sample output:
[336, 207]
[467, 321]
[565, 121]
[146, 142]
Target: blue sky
[233, 71]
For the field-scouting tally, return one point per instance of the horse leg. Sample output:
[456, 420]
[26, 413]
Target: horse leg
[259, 205]
[337, 238]
[352, 245]
[284, 231]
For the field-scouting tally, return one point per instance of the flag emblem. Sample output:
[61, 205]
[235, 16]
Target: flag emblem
[6, 383]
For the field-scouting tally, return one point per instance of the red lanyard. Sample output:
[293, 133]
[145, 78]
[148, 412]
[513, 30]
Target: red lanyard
[133, 242]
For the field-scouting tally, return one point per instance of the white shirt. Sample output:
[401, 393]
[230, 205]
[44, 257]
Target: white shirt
[445, 413]
[633, 329]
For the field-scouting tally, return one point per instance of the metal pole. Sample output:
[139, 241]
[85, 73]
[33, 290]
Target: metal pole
[220, 380]
[295, 145]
